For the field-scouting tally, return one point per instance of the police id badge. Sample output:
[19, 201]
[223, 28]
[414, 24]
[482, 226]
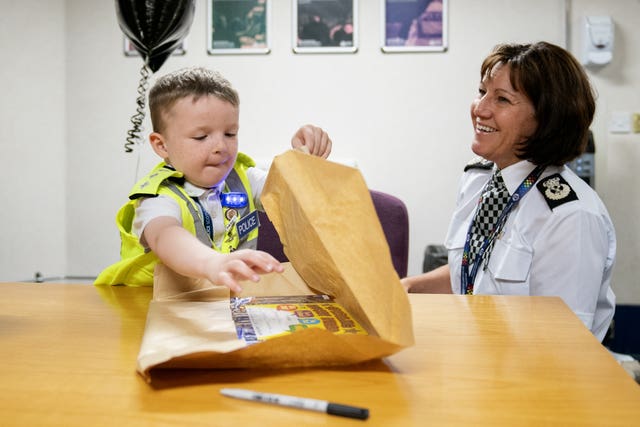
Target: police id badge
[247, 224]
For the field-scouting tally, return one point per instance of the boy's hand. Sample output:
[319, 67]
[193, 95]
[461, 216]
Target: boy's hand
[182, 252]
[244, 264]
[316, 141]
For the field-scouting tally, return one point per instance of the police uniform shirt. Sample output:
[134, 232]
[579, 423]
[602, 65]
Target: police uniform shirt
[209, 198]
[558, 241]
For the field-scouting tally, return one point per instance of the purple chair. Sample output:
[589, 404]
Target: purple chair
[394, 219]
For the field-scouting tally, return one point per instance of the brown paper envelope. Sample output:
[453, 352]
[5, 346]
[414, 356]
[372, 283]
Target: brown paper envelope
[195, 330]
[332, 235]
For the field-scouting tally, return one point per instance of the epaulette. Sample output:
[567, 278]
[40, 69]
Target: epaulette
[556, 190]
[149, 185]
[479, 163]
[246, 160]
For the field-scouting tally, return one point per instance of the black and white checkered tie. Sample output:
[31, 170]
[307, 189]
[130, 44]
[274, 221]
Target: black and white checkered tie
[494, 199]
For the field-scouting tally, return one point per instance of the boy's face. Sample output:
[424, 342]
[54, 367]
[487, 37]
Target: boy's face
[200, 139]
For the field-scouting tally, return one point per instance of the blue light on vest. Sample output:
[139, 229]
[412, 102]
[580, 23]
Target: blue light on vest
[234, 199]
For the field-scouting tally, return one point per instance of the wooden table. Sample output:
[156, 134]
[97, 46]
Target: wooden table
[69, 351]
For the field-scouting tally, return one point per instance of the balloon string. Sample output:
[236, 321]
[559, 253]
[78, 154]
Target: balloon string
[133, 135]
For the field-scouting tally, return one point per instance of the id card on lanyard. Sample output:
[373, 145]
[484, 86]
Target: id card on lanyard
[467, 277]
[237, 203]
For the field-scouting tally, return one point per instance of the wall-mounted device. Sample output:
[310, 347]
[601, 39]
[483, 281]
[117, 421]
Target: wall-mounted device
[585, 165]
[598, 37]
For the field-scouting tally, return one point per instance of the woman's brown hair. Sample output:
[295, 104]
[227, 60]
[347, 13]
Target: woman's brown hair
[561, 94]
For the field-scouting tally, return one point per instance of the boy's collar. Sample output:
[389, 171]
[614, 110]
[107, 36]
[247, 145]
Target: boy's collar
[195, 191]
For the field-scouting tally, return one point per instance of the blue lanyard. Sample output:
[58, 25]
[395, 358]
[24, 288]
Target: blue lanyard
[208, 223]
[467, 277]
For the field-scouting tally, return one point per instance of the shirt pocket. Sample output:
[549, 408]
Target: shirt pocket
[510, 266]
[457, 234]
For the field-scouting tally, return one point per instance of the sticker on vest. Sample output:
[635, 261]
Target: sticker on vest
[247, 224]
[556, 190]
[231, 213]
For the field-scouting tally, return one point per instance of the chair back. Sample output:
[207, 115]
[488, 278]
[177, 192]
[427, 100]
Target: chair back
[394, 219]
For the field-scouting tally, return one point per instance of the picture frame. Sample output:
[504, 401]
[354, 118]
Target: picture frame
[129, 50]
[238, 27]
[325, 26]
[414, 25]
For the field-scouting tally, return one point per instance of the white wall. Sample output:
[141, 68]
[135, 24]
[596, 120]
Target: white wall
[32, 138]
[403, 117]
[617, 156]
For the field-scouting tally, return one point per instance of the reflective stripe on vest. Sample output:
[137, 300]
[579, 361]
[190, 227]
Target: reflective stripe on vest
[201, 232]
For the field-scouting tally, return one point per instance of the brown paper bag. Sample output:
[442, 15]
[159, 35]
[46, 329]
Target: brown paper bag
[331, 233]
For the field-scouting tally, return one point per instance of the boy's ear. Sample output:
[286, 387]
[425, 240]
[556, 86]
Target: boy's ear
[158, 144]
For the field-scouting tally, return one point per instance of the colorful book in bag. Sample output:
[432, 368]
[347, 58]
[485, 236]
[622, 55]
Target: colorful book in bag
[261, 318]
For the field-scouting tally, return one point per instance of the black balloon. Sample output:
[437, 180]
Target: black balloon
[155, 27]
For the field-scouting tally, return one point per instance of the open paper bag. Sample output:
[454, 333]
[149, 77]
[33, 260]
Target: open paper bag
[331, 234]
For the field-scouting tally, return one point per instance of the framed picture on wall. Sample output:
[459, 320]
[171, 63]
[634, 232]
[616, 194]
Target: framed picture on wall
[414, 25]
[238, 27]
[325, 26]
[130, 50]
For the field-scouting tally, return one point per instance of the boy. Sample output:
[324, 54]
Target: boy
[196, 211]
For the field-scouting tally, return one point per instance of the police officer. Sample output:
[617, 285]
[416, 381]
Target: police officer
[524, 223]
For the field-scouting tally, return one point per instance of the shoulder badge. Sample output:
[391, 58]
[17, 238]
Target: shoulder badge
[556, 190]
[148, 186]
[479, 163]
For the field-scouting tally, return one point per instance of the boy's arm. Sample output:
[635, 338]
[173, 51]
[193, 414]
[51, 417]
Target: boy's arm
[315, 139]
[185, 254]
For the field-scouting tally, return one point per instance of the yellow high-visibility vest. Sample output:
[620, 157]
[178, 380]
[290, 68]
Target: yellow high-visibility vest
[136, 264]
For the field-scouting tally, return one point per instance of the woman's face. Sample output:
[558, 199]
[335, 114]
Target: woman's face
[502, 117]
[430, 20]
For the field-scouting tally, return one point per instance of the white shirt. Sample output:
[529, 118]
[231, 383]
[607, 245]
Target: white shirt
[152, 207]
[567, 252]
